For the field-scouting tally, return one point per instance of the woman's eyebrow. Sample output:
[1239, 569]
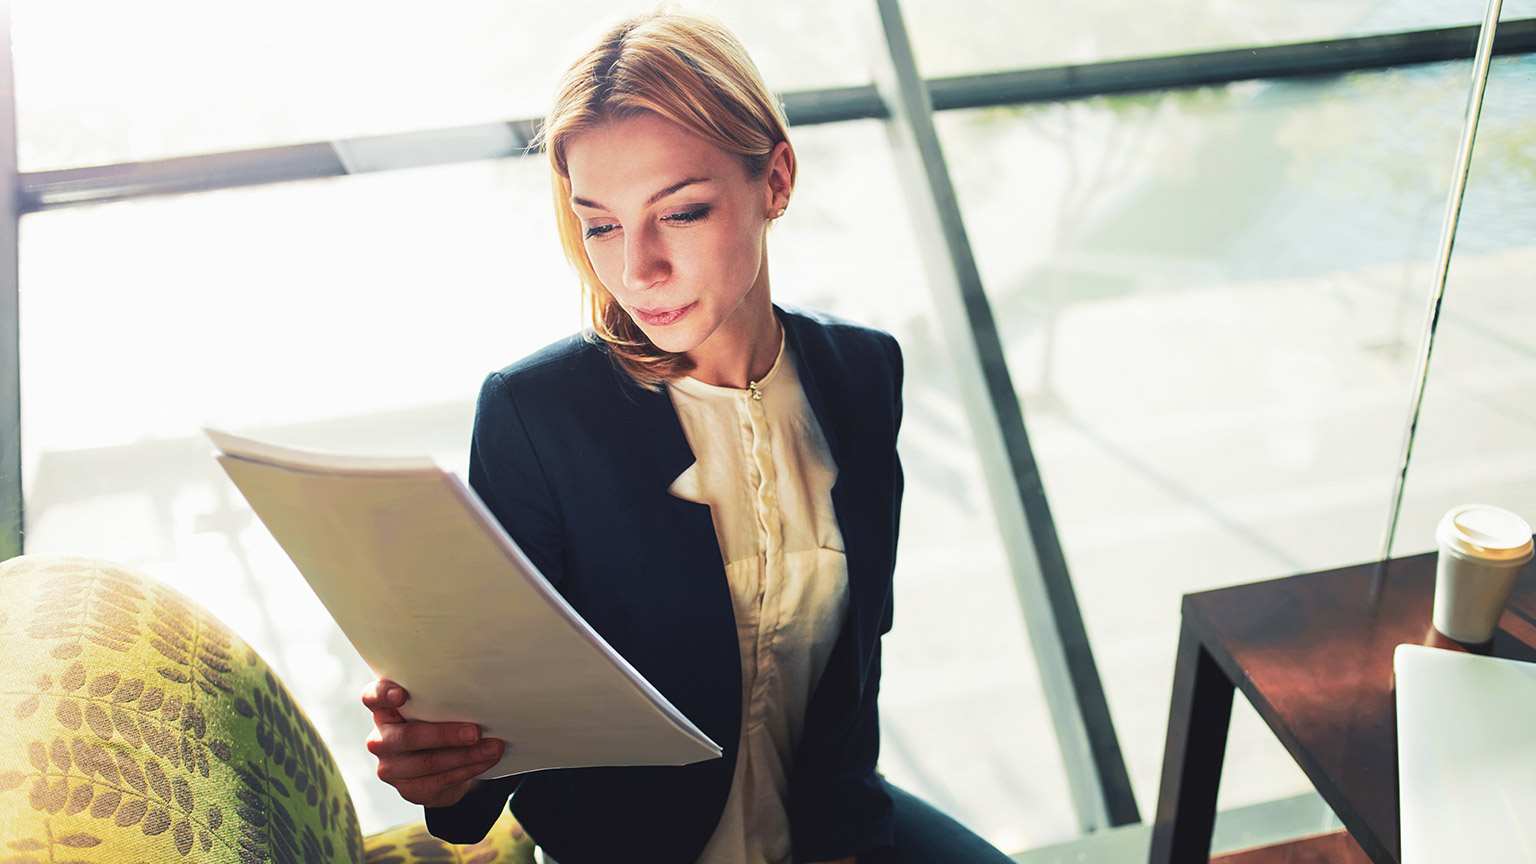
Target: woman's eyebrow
[675, 187]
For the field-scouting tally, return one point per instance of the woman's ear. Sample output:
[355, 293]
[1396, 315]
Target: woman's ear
[781, 178]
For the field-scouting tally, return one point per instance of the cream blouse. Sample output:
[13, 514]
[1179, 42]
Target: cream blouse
[765, 471]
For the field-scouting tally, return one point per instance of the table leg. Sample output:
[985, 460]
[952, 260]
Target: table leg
[1192, 756]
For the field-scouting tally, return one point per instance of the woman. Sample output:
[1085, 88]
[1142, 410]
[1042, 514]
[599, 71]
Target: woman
[710, 480]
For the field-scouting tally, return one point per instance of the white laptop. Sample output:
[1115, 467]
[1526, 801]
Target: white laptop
[1466, 757]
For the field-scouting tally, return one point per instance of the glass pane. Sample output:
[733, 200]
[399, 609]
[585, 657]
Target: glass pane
[178, 77]
[361, 313]
[956, 38]
[965, 722]
[1477, 434]
[1209, 300]
[357, 314]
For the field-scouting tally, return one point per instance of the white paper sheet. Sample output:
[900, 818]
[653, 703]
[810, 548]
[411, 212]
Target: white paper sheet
[437, 598]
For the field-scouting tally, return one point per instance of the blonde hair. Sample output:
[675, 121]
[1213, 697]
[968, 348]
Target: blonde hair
[690, 70]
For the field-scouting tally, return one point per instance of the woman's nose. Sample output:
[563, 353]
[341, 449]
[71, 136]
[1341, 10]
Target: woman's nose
[645, 262]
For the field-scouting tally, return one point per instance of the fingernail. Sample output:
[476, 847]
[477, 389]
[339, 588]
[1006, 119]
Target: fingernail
[469, 733]
[488, 748]
[392, 694]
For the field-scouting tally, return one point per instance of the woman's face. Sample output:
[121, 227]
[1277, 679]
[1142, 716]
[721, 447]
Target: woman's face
[675, 229]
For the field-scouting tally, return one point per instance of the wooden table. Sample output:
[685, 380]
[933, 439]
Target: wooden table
[1313, 654]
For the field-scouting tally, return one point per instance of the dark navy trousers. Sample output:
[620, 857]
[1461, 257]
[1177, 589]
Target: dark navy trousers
[926, 835]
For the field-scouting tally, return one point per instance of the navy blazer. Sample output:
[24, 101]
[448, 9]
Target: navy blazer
[575, 460]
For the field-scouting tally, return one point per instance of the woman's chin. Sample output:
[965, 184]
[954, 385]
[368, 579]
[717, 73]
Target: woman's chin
[672, 340]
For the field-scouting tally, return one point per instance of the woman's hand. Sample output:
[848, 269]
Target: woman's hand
[432, 764]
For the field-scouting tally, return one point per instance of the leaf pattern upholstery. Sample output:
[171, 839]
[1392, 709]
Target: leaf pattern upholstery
[411, 844]
[136, 727]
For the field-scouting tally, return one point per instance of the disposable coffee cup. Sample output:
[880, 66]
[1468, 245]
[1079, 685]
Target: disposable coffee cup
[1481, 551]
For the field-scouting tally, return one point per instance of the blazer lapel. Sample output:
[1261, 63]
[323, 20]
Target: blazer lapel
[655, 417]
[810, 361]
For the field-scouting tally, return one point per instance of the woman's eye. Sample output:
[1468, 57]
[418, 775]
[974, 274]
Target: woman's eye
[695, 215]
[594, 231]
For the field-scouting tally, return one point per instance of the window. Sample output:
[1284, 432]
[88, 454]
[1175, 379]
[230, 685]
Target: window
[1209, 301]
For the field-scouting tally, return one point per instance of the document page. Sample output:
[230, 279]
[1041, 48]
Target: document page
[436, 597]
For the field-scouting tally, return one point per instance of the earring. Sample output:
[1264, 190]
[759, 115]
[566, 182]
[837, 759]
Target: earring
[779, 214]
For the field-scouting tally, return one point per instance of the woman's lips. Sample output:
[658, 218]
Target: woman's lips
[663, 317]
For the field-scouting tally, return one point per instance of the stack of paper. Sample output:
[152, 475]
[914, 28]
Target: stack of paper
[437, 598]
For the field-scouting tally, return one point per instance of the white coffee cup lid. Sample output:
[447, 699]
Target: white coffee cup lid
[1486, 533]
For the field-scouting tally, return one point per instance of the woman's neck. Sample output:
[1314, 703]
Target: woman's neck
[743, 353]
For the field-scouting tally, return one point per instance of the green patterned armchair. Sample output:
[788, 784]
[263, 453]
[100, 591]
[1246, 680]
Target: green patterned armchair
[135, 727]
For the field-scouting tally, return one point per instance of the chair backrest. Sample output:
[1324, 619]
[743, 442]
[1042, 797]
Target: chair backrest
[134, 726]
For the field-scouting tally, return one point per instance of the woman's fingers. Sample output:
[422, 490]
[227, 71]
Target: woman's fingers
[412, 764]
[433, 764]
[441, 790]
[413, 735]
[384, 699]
[438, 778]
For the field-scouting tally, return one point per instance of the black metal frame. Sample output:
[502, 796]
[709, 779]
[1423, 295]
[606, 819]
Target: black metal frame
[1097, 778]
[1179, 72]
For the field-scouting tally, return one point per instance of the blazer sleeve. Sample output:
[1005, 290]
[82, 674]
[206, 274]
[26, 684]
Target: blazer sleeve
[506, 472]
[844, 809]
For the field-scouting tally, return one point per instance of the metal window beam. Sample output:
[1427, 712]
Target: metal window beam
[837, 105]
[45, 190]
[1096, 775]
[69, 187]
[1480, 68]
[1178, 72]
[12, 508]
